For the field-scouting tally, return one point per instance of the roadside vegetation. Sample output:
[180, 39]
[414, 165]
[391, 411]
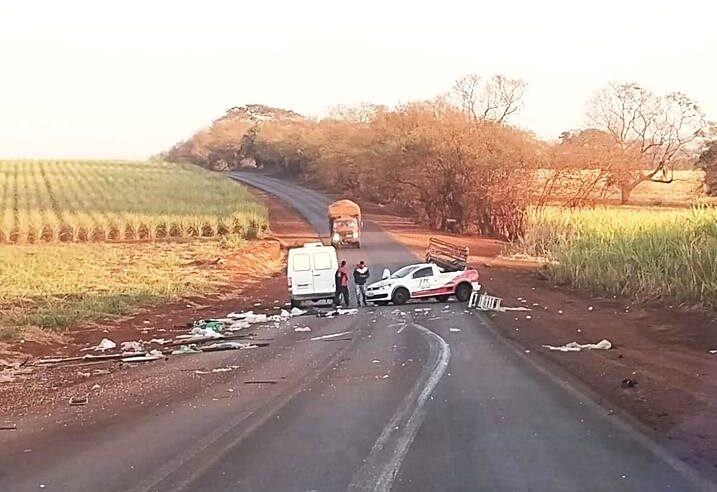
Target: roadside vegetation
[83, 241]
[55, 286]
[77, 201]
[651, 255]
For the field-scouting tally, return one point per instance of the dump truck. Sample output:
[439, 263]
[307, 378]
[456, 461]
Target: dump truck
[345, 223]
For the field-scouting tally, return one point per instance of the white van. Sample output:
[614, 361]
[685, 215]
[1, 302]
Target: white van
[311, 270]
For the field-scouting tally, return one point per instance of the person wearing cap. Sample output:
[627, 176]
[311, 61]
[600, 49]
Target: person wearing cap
[361, 274]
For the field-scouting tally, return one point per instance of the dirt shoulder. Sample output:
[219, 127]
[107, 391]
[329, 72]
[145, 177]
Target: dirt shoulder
[257, 282]
[665, 351]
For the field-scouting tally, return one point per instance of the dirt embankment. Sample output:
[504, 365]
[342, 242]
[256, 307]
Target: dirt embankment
[665, 351]
[257, 278]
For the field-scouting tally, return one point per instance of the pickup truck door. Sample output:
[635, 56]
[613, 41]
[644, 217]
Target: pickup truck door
[423, 281]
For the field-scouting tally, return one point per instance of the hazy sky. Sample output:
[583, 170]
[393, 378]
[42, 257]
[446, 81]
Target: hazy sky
[126, 79]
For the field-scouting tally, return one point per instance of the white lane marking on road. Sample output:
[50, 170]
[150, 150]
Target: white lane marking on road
[333, 335]
[380, 468]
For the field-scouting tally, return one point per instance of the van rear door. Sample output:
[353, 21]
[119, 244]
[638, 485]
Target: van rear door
[302, 278]
[324, 269]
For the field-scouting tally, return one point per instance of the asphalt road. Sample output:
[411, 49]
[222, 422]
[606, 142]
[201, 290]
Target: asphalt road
[404, 399]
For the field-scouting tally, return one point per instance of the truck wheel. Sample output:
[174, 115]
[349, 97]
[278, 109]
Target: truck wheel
[295, 303]
[442, 298]
[358, 245]
[463, 292]
[400, 296]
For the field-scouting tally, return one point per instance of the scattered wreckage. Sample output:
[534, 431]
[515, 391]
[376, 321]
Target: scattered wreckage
[205, 335]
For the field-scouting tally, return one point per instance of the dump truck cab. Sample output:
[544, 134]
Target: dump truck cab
[345, 223]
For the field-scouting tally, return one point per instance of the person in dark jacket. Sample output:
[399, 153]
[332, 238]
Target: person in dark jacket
[342, 285]
[361, 275]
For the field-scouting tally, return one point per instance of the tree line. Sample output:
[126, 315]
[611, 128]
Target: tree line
[457, 160]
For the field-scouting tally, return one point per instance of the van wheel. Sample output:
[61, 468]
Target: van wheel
[463, 292]
[400, 296]
[442, 298]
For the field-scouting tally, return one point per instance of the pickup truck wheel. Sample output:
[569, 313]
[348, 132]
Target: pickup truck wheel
[400, 296]
[442, 298]
[463, 292]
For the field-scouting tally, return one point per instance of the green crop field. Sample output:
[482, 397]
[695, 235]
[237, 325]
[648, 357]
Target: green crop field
[83, 241]
[51, 201]
[651, 255]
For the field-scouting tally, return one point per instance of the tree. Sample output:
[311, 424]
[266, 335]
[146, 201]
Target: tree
[708, 163]
[494, 99]
[653, 132]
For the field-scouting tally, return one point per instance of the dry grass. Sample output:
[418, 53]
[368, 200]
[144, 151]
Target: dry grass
[56, 286]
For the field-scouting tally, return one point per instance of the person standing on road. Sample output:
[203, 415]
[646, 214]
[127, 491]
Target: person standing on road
[361, 275]
[342, 285]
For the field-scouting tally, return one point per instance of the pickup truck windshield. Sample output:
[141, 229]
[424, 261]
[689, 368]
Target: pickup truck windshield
[404, 271]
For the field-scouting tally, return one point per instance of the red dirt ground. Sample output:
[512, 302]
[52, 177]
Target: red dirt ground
[666, 351]
[257, 278]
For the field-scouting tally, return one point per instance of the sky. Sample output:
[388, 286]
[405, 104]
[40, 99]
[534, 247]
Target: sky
[125, 80]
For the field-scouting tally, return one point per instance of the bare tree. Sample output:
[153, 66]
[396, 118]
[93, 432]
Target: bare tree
[656, 130]
[494, 99]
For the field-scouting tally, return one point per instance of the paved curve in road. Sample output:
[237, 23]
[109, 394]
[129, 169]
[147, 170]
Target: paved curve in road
[404, 400]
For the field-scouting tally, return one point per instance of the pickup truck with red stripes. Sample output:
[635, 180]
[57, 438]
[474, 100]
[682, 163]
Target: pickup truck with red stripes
[423, 281]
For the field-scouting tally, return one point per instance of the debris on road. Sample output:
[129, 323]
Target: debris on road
[333, 335]
[77, 401]
[228, 346]
[336, 312]
[454, 330]
[6, 377]
[484, 302]
[300, 328]
[186, 350]
[160, 341]
[131, 347]
[207, 327]
[628, 383]
[105, 344]
[576, 347]
[295, 311]
[148, 357]
[713, 351]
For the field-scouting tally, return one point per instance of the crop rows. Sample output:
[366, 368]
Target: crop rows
[50, 201]
[667, 256]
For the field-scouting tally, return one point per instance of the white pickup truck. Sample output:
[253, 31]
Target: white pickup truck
[420, 281]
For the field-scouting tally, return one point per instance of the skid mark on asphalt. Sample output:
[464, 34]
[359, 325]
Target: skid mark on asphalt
[383, 462]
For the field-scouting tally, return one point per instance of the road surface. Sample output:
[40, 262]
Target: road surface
[402, 399]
